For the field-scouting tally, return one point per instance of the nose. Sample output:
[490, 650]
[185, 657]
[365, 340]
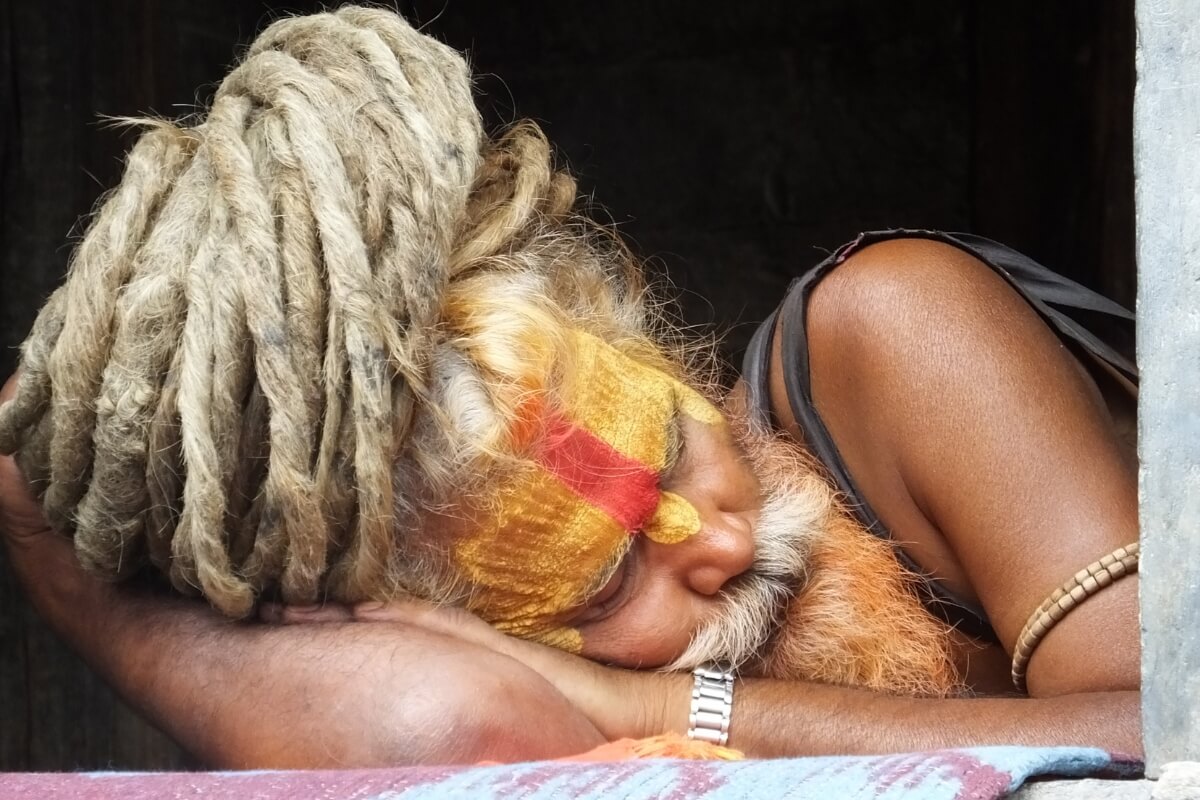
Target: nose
[720, 551]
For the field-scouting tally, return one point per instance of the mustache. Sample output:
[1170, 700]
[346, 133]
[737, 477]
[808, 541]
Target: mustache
[824, 600]
[754, 603]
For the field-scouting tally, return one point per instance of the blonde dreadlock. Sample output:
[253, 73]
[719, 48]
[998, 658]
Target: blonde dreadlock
[332, 288]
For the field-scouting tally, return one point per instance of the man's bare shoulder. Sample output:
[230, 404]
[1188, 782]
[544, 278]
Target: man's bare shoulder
[975, 433]
[897, 288]
[904, 337]
[897, 336]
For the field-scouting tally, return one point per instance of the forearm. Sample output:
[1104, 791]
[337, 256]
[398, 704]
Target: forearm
[202, 679]
[802, 719]
[774, 718]
[253, 695]
[783, 718]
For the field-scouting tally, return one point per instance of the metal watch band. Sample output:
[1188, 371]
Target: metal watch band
[712, 704]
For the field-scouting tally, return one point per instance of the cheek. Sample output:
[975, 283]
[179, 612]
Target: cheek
[535, 558]
[651, 631]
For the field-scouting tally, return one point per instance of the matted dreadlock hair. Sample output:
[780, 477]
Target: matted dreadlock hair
[300, 318]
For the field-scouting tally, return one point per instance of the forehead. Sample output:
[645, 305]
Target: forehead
[554, 533]
[629, 404]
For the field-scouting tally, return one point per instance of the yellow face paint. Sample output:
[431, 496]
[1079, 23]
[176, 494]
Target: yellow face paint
[629, 405]
[559, 531]
[674, 520]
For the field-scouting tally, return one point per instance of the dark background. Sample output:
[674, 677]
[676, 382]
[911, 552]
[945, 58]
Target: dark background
[733, 142]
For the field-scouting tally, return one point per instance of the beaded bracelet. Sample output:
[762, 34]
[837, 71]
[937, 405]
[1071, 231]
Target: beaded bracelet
[1087, 582]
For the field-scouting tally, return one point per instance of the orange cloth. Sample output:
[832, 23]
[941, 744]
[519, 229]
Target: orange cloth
[668, 745]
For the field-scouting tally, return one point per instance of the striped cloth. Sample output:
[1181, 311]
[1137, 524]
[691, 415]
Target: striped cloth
[960, 774]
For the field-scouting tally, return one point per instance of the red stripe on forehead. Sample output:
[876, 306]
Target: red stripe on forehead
[623, 488]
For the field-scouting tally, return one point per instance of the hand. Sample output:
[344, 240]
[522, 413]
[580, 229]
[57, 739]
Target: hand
[21, 518]
[620, 703]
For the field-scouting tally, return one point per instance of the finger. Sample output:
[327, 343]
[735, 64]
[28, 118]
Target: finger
[329, 612]
[446, 620]
[270, 612]
[403, 609]
[20, 513]
[10, 388]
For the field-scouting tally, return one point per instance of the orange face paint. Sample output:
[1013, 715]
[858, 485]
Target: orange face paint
[557, 532]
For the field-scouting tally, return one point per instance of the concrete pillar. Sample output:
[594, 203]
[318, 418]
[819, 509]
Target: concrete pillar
[1167, 167]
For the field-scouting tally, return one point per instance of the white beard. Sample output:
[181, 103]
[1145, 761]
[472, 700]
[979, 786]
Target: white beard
[824, 600]
[754, 602]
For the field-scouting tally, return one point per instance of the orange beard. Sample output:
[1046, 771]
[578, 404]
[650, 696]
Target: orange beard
[855, 619]
[857, 622]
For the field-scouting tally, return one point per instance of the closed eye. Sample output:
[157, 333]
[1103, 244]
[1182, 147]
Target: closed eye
[617, 590]
[613, 595]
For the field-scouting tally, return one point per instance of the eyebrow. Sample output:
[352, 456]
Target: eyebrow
[674, 442]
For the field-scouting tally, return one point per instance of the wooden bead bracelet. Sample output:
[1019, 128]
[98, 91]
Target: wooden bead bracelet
[1087, 582]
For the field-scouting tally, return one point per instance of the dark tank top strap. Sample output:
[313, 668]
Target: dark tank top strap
[1051, 295]
[1056, 299]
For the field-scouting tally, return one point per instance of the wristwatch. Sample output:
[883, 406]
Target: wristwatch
[712, 704]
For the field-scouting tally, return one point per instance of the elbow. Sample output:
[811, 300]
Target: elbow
[464, 717]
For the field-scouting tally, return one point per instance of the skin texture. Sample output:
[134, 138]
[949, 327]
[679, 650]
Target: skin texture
[662, 592]
[974, 434]
[1015, 482]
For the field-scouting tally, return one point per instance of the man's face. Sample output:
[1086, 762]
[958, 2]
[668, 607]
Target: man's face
[662, 593]
[779, 580]
[689, 544]
[636, 526]
[551, 545]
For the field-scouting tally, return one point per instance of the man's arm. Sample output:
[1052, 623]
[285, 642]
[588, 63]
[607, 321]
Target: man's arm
[241, 695]
[773, 718]
[984, 447]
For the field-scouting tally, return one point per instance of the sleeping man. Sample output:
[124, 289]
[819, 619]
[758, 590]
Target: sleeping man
[332, 345]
